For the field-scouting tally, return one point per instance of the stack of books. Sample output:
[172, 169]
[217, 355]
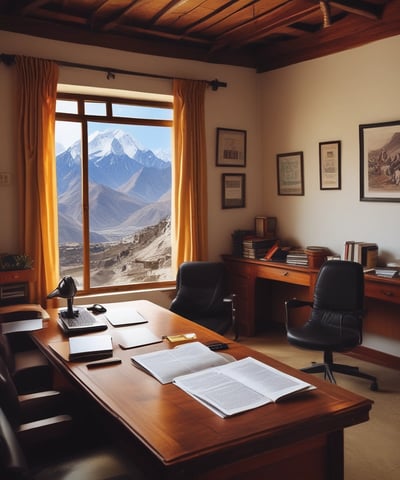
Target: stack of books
[297, 257]
[237, 241]
[256, 247]
[386, 272]
[362, 252]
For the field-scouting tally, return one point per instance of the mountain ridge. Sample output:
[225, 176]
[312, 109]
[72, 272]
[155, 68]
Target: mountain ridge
[126, 184]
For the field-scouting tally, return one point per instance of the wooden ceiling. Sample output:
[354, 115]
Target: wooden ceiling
[261, 34]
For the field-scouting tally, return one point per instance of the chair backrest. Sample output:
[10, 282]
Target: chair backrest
[12, 461]
[9, 401]
[339, 294]
[6, 352]
[200, 289]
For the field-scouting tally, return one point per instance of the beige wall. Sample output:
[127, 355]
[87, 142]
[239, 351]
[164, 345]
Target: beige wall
[290, 109]
[233, 107]
[324, 100]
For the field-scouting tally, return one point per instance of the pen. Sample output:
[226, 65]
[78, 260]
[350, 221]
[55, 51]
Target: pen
[104, 363]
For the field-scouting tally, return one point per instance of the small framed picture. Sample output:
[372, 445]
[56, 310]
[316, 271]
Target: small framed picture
[265, 226]
[329, 165]
[233, 190]
[231, 148]
[380, 162]
[290, 173]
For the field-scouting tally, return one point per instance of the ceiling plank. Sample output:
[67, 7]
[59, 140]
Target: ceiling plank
[31, 6]
[118, 18]
[254, 30]
[259, 34]
[352, 34]
[359, 7]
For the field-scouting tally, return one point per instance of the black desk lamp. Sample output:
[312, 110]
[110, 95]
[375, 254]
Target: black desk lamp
[65, 289]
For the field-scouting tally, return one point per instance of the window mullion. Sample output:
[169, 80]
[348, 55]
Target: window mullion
[85, 208]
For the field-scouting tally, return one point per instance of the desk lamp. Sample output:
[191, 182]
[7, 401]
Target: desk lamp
[65, 289]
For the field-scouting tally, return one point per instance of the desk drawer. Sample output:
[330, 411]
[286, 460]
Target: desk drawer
[287, 275]
[388, 292]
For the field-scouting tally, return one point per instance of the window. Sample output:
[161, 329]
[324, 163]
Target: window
[114, 191]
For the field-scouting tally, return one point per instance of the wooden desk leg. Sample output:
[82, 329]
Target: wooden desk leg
[244, 287]
[336, 455]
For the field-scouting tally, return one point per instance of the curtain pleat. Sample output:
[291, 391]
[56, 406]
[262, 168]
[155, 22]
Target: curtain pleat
[37, 92]
[190, 172]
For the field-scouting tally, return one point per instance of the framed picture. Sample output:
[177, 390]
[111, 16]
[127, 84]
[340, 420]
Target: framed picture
[290, 173]
[233, 190]
[265, 226]
[231, 147]
[329, 165]
[380, 162]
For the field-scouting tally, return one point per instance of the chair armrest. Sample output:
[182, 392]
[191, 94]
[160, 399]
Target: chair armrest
[33, 435]
[231, 299]
[32, 372]
[36, 406]
[295, 303]
[292, 304]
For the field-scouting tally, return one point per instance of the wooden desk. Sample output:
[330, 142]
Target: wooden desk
[380, 288]
[243, 276]
[178, 438]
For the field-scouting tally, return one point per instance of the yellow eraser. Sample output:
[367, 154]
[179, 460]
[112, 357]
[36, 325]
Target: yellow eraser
[182, 337]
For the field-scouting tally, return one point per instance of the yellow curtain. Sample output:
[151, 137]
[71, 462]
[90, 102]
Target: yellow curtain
[190, 172]
[37, 91]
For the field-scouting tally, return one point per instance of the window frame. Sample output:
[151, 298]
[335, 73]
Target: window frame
[83, 118]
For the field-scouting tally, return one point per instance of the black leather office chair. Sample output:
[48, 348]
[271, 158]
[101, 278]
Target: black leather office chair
[30, 370]
[30, 407]
[104, 463]
[34, 432]
[201, 296]
[335, 323]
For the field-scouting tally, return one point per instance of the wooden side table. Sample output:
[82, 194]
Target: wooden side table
[15, 286]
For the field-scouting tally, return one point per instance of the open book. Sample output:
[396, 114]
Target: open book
[226, 387]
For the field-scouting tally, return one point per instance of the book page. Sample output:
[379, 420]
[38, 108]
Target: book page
[264, 379]
[221, 393]
[165, 365]
[240, 386]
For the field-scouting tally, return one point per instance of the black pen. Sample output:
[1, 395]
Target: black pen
[104, 363]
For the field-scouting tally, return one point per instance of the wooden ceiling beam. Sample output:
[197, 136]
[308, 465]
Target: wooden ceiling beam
[117, 19]
[63, 17]
[352, 33]
[372, 11]
[256, 29]
[162, 34]
[212, 14]
[29, 6]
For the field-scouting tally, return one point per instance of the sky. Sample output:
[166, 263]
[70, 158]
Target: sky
[153, 138]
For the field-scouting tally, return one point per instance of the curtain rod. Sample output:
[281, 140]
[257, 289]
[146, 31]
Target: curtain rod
[111, 72]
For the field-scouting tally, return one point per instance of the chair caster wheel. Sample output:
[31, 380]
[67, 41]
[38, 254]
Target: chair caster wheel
[374, 387]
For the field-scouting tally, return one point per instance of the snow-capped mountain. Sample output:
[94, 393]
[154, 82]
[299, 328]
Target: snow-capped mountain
[124, 180]
[102, 144]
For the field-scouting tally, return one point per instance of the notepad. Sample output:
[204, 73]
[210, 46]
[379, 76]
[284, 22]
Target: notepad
[136, 337]
[91, 347]
[119, 317]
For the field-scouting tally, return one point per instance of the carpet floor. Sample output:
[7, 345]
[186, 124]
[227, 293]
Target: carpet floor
[371, 448]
